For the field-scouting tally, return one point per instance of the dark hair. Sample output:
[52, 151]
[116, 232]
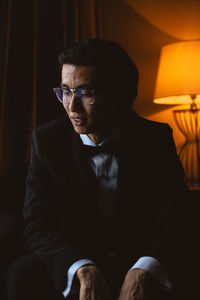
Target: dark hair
[108, 56]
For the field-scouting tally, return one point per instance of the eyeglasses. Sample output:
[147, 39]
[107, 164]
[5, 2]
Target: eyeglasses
[65, 95]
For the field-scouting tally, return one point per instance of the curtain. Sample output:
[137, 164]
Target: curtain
[32, 34]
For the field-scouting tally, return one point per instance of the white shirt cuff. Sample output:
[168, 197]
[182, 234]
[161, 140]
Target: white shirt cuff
[152, 265]
[71, 272]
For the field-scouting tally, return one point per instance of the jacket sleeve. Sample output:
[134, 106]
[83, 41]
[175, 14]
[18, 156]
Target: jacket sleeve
[41, 233]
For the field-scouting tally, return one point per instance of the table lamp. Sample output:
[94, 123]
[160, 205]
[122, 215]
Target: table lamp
[178, 83]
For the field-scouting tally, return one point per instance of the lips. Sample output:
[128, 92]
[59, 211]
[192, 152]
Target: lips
[78, 121]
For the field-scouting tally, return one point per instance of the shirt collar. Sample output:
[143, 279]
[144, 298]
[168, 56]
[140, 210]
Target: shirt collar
[87, 141]
[113, 137]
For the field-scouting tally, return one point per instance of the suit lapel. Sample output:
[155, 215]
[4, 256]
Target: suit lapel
[83, 174]
[68, 165]
[79, 168]
[129, 163]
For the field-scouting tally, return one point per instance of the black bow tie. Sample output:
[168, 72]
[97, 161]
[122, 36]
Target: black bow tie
[90, 151]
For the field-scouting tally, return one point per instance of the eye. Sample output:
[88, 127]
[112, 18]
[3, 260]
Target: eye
[66, 92]
[86, 93]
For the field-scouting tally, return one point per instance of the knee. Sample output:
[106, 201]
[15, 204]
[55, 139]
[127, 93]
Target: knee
[23, 277]
[24, 268]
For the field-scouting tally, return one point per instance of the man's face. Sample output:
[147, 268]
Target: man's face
[93, 119]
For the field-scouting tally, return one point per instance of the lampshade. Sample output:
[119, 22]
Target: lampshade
[179, 73]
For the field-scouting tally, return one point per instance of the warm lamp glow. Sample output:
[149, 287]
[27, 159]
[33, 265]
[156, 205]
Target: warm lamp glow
[179, 74]
[178, 82]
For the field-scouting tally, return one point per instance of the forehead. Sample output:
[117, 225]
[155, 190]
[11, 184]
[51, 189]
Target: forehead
[72, 74]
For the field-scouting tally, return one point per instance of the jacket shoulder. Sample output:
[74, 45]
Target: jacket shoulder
[53, 129]
[148, 127]
[154, 125]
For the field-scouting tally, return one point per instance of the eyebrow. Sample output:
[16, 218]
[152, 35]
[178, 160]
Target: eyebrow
[78, 87]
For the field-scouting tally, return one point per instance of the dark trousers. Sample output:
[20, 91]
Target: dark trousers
[27, 279]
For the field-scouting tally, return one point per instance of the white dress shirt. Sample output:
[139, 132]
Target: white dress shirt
[105, 167]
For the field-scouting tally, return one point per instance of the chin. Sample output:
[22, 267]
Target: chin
[80, 130]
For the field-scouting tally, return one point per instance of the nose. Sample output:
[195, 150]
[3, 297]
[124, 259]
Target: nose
[75, 104]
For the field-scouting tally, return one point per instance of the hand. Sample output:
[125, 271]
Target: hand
[92, 284]
[138, 285]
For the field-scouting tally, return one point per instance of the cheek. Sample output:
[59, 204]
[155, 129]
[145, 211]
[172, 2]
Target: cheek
[91, 114]
[66, 108]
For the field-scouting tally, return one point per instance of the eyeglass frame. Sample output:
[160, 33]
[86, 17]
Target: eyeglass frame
[74, 91]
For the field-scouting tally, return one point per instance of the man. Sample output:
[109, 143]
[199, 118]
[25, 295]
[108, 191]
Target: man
[104, 189]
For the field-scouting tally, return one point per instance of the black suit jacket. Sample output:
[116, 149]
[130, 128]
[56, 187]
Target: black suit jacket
[62, 219]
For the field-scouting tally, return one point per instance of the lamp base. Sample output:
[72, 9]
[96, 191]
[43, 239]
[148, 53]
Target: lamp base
[189, 154]
[188, 122]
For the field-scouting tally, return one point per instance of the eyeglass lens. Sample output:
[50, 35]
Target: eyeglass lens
[86, 96]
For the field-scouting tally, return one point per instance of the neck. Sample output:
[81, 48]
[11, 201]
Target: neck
[104, 130]
[96, 138]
